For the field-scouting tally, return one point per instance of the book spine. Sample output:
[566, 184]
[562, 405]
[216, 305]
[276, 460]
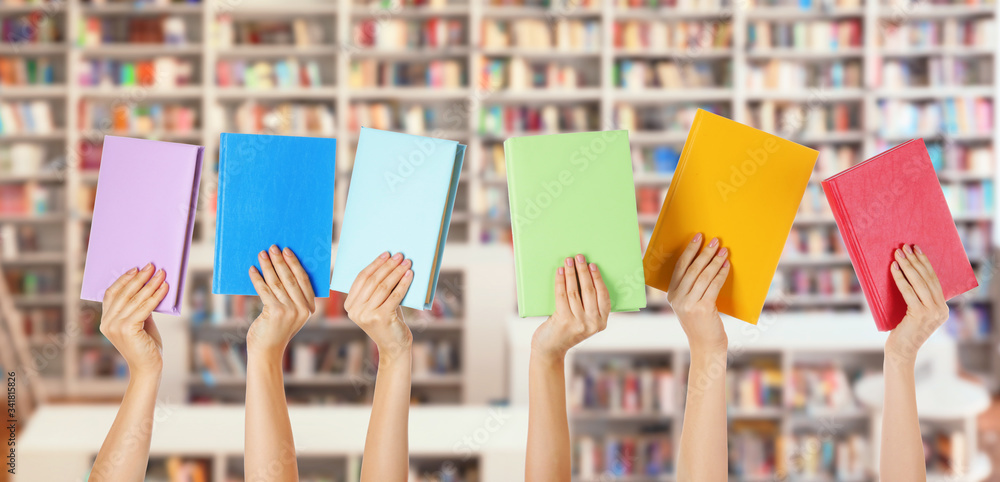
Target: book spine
[851, 242]
[508, 150]
[220, 216]
[677, 176]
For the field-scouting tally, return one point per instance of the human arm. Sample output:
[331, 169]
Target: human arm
[373, 303]
[582, 308]
[289, 300]
[128, 323]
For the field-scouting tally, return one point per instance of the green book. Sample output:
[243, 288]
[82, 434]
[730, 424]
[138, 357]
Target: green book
[569, 194]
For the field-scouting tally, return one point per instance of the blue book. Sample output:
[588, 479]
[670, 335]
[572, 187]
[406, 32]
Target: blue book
[400, 200]
[273, 190]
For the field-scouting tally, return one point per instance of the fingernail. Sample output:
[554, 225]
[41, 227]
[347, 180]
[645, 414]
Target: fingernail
[917, 249]
[723, 251]
[569, 261]
[561, 271]
[580, 259]
[593, 267]
[407, 263]
[159, 272]
[147, 267]
[895, 265]
[274, 249]
[697, 238]
[713, 243]
[906, 247]
[397, 256]
[287, 251]
[133, 271]
[408, 274]
[725, 264]
[262, 255]
[384, 255]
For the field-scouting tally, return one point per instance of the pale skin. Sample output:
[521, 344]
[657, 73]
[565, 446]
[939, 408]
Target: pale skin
[128, 323]
[902, 457]
[373, 303]
[289, 300]
[694, 286]
[582, 308]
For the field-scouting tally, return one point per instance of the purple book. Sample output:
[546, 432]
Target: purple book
[147, 192]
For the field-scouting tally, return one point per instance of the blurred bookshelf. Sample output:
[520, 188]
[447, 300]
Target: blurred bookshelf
[849, 78]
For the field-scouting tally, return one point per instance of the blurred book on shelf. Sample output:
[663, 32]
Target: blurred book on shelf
[668, 118]
[138, 119]
[30, 198]
[788, 75]
[285, 118]
[26, 117]
[623, 387]
[950, 116]
[812, 35]
[824, 456]
[627, 455]
[297, 32]
[22, 71]
[754, 388]
[263, 74]
[399, 34]
[169, 30]
[38, 27]
[506, 120]
[160, 72]
[754, 450]
[668, 74]
[517, 73]
[446, 74]
[537, 34]
[643, 35]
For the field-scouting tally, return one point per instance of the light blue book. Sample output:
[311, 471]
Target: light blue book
[400, 200]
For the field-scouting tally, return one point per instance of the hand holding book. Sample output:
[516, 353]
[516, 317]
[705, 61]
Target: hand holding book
[694, 288]
[926, 308]
[127, 320]
[373, 303]
[582, 308]
[288, 297]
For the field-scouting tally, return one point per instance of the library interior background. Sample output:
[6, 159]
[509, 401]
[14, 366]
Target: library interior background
[849, 78]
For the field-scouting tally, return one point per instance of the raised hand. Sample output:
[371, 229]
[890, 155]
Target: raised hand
[127, 319]
[693, 290]
[373, 303]
[926, 308]
[582, 308]
[694, 287]
[288, 300]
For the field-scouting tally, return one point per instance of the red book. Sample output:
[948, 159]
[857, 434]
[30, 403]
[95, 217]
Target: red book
[884, 202]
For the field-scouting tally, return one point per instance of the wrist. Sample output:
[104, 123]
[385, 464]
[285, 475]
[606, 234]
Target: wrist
[548, 357]
[395, 353]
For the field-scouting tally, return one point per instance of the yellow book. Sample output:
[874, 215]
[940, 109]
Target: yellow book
[741, 185]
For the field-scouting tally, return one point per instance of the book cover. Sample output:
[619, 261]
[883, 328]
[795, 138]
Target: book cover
[273, 190]
[401, 197]
[738, 184]
[892, 199]
[569, 194]
[144, 210]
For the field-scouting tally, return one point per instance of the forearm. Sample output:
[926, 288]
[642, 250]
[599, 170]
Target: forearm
[902, 457]
[548, 452]
[125, 452]
[269, 447]
[386, 457]
[703, 453]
